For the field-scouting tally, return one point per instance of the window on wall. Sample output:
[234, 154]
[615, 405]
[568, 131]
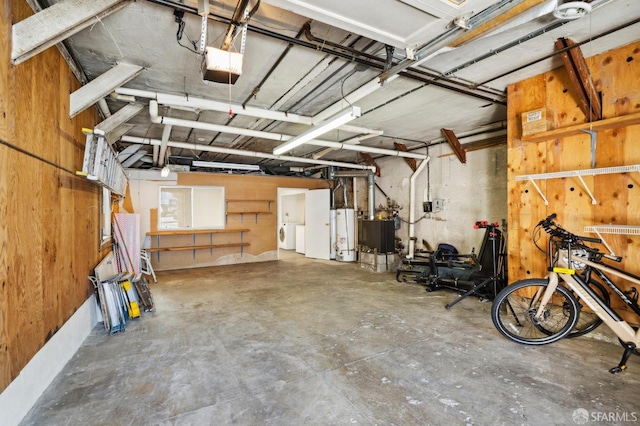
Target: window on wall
[194, 207]
[105, 216]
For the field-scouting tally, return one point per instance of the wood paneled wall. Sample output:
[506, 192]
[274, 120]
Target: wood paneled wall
[244, 190]
[618, 195]
[49, 226]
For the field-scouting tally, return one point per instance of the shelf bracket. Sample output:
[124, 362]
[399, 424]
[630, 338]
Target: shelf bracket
[603, 241]
[594, 139]
[612, 229]
[586, 188]
[546, 202]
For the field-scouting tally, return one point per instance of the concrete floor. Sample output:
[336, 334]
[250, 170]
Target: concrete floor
[315, 342]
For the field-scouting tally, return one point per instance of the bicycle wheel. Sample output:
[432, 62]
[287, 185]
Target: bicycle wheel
[588, 321]
[514, 308]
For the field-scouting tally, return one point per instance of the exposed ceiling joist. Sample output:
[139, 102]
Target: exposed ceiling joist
[123, 115]
[98, 88]
[580, 76]
[115, 135]
[455, 144]
[133, 159]
[56, 23]
[128, 151]
[166, 133]
[410, 161]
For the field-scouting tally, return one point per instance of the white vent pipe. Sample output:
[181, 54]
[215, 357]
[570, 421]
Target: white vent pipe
[155, 118]
[412, 207]
[241, 152]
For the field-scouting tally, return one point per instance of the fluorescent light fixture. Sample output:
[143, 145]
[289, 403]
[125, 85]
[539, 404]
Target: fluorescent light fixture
[165, 171]
[229, 166]
[221, 66]
[320, 129]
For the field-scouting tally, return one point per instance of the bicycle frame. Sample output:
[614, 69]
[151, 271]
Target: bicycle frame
[564, 271]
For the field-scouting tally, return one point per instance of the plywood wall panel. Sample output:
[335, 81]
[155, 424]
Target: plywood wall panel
[617, 196]
[246, 193]
[48, 216]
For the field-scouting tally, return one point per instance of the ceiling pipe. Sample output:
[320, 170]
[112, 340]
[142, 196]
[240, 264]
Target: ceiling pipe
[243, 153]
[181, 101]
[426, 51]
[381, 64]
[558, 52]
[158, 119]
[415, 74]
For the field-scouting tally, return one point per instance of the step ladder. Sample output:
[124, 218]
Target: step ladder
[145, 265]
[101, 165]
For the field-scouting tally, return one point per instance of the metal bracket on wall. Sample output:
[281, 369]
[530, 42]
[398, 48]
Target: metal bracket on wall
[594, 139]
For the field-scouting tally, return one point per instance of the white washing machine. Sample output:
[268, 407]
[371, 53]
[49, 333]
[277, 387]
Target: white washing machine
[287, 236]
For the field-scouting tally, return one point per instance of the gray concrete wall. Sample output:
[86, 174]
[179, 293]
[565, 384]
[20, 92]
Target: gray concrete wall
[476, 190]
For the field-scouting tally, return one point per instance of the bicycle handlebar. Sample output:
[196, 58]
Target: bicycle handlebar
[556, 230]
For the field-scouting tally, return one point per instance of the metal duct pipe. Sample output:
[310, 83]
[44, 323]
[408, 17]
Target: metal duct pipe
[371, 180]
[158, 119]
[372, 195]
[241, 152]
[333, 195]
[412, 207]
[337, 174]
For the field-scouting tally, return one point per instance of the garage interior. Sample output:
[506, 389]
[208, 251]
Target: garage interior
[422, 117]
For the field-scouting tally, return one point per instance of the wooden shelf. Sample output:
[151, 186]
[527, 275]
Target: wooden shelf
[196, 231]
[233, 200]
[198, 247]
[249, 213]
[194, 246]
[579, 129]
[256, 213]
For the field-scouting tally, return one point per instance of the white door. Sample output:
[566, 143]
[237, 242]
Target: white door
[317, 220]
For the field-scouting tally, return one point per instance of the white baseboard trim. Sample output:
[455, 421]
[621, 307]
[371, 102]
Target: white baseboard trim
[23, 392]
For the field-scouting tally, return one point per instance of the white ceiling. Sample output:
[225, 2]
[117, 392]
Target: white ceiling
[285, 71]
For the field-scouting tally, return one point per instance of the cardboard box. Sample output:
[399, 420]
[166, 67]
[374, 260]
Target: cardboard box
[534, 121]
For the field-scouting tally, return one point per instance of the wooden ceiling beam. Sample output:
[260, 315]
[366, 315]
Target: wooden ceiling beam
[586, 80]
[580, 78]
[101, 86]
[370, 161]
[410, 161]
[496, 22]
[455, 144]
[57, 23]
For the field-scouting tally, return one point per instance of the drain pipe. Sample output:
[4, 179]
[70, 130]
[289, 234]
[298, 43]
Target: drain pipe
[412, 207]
